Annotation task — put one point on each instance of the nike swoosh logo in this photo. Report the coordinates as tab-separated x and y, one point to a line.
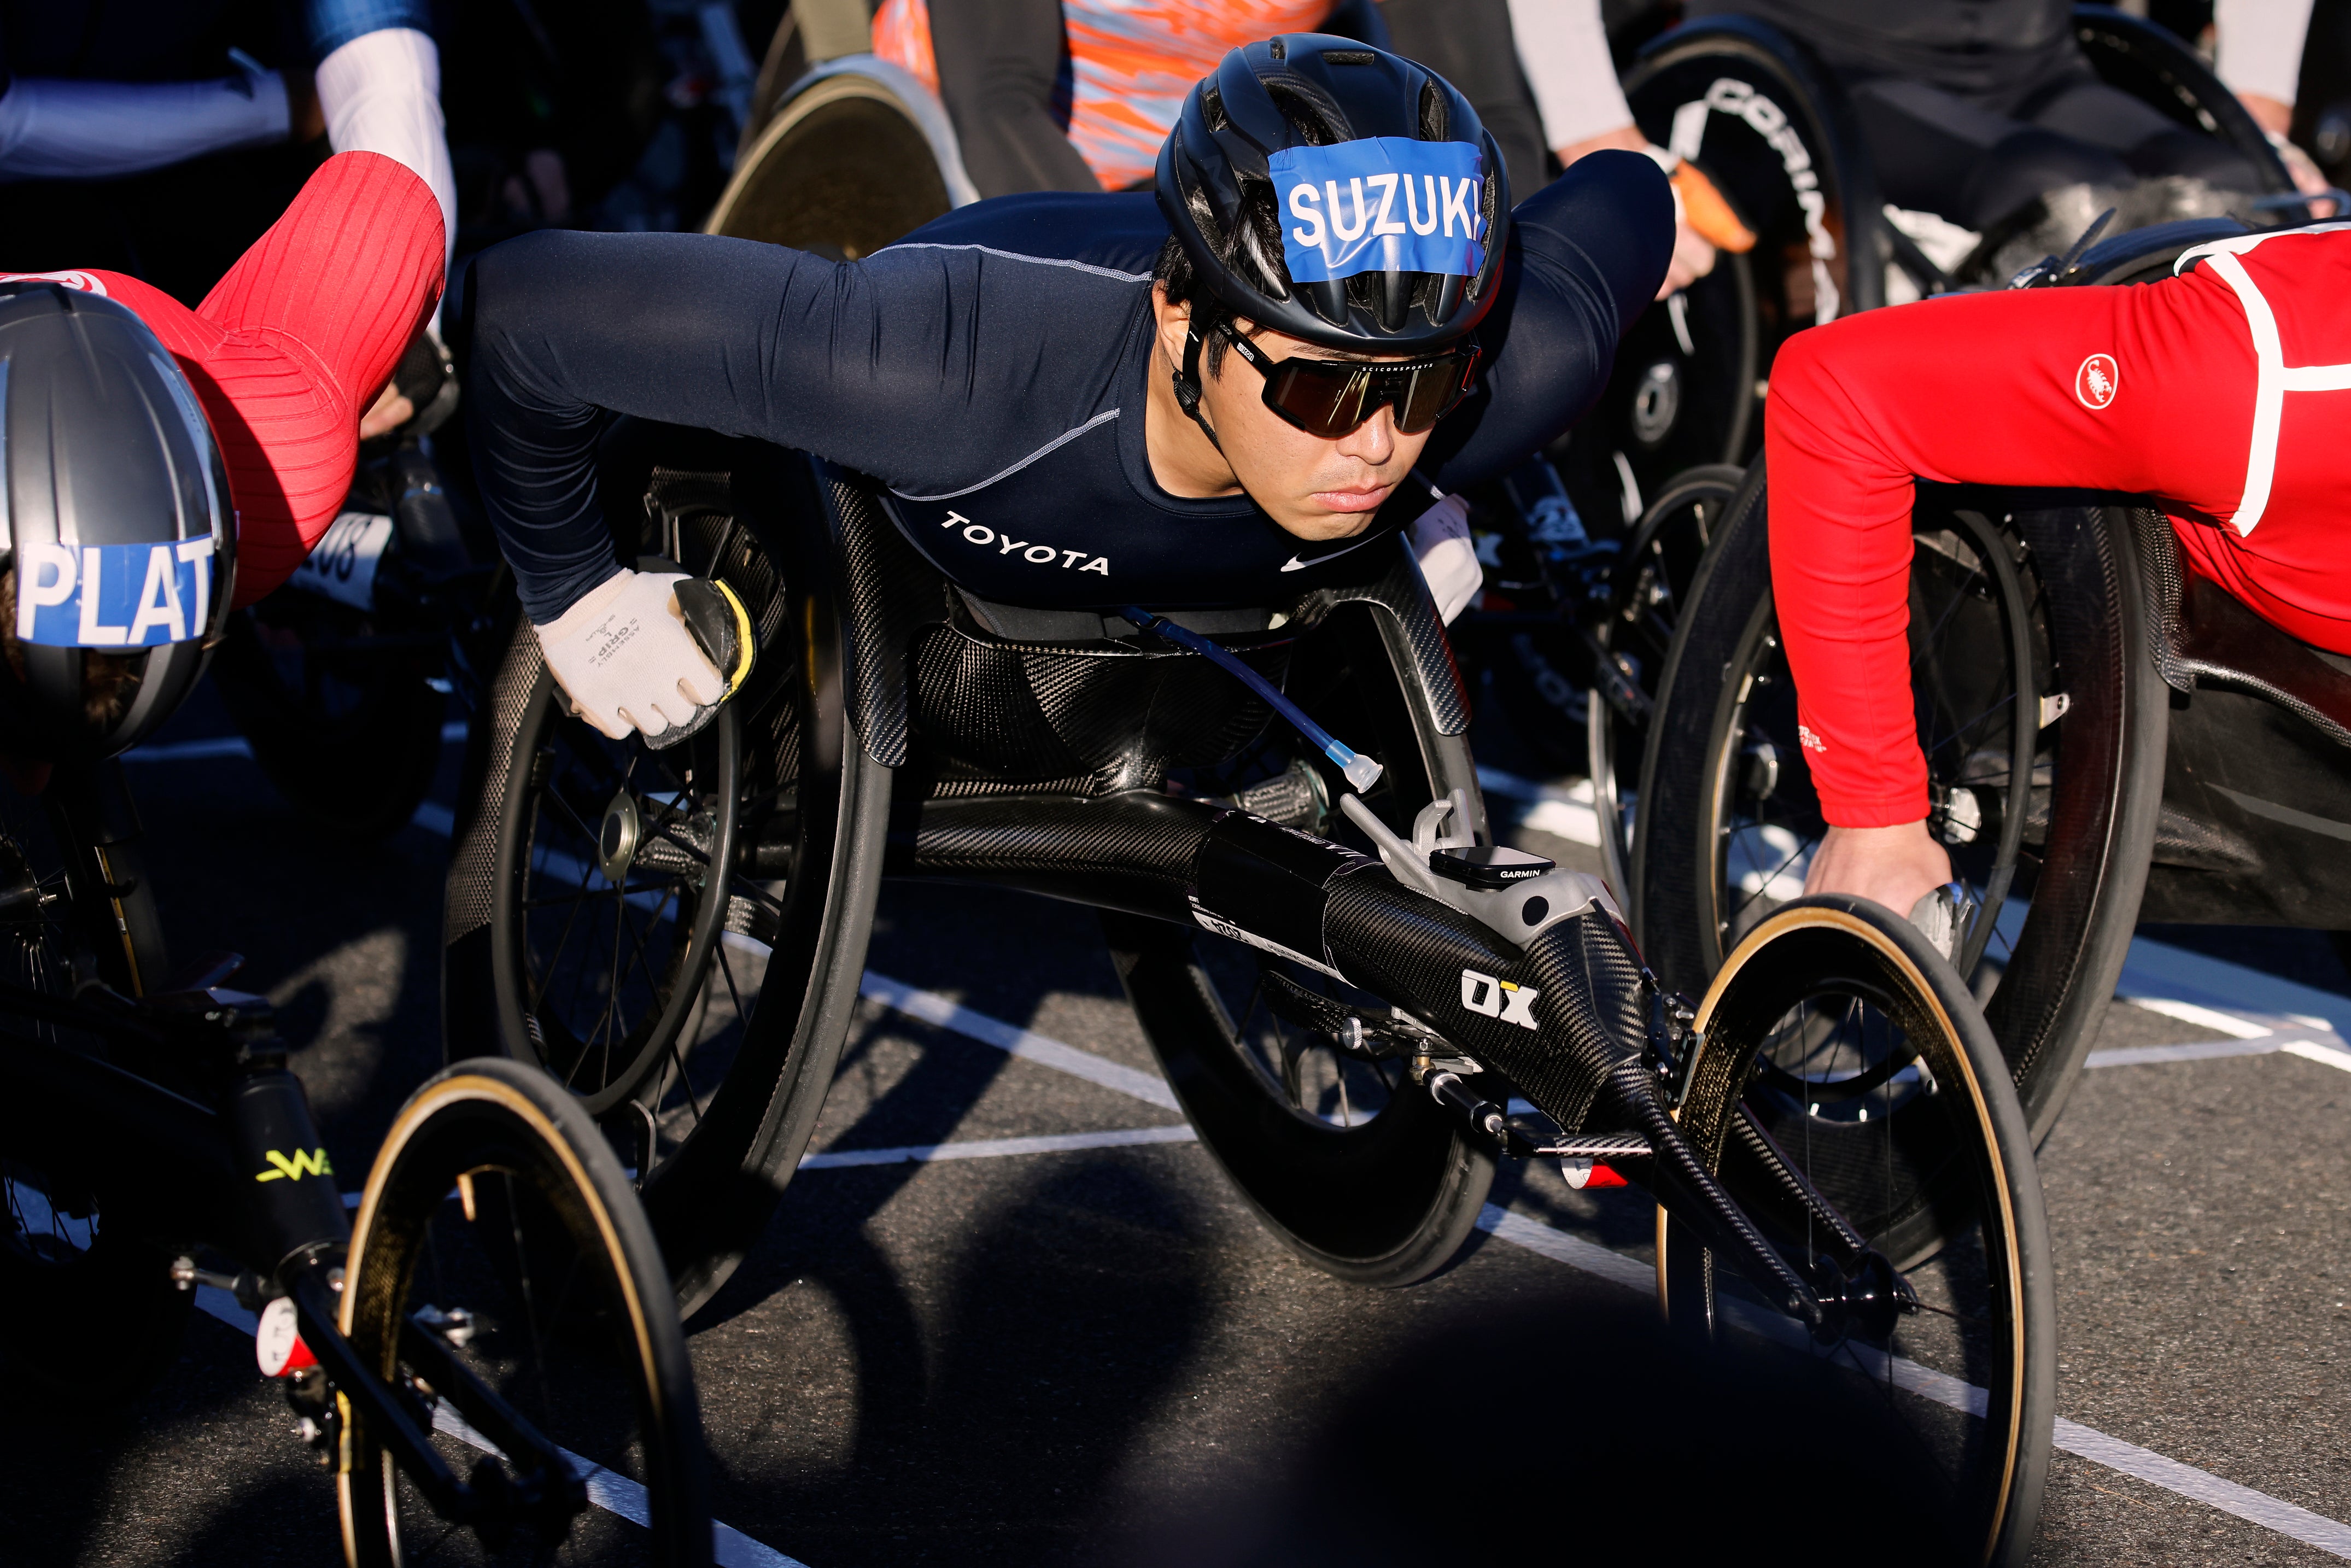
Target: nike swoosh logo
1294	564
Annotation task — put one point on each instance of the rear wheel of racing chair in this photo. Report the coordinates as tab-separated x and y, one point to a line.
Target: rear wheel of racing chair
497	1230
584	932
859	153
1653	576
1753	112
2027	641
1362	1174
1838	1005
73	1251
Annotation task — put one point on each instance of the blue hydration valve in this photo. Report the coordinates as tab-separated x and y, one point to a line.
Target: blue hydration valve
1360	769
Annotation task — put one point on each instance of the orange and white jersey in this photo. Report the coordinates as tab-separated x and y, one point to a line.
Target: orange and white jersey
1131	63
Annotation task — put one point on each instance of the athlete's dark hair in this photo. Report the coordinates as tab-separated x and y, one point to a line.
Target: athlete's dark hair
1255	246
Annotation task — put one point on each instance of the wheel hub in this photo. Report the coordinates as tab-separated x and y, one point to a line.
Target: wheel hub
1655	402
617	839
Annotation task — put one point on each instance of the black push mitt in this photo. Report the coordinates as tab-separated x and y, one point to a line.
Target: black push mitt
721	627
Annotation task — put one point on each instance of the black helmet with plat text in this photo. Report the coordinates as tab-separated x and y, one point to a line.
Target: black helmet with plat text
116	517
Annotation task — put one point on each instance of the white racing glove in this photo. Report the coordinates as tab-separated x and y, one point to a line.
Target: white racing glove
625	658
1440	538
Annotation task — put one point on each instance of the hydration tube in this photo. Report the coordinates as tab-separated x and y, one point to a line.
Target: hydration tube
1361	770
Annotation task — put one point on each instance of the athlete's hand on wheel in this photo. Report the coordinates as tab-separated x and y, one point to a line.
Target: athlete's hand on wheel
623	656
1896	866
1440	538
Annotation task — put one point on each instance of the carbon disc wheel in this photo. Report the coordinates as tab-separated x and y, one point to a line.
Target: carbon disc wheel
1344	1159
1836	1038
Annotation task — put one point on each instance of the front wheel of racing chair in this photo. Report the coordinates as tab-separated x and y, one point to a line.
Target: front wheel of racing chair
583	933
2026	642
1836	998
1341	1155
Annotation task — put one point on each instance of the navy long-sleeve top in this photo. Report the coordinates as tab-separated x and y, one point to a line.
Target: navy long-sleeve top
989	371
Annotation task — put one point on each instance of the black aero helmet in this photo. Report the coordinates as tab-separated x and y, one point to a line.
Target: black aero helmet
115	515
1303	146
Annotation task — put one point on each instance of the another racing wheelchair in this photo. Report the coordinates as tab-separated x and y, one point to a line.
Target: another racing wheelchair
2060	649
489	1344
1347	982
1772	129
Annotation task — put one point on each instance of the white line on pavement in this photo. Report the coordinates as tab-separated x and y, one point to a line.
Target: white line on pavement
1563	810
934	1009
2204	1017
2154	971
2324	1055
612	1493
1589	1257
2140	1055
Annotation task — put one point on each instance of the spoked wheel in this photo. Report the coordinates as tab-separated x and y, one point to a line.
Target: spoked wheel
73	1249
496	1222
609	959
1832	1026
678	934
1653	576
2027	642
1979	662
1363	1175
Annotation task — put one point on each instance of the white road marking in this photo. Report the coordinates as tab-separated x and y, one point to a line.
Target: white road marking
1589	1257
612	1493
2199	1050
2154	972
934	1009
2324	1055
2205	1018
997	1148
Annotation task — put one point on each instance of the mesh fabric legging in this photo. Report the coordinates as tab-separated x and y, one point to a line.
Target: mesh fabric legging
1967	160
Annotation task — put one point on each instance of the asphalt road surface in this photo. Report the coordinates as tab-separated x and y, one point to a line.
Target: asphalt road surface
1032	1323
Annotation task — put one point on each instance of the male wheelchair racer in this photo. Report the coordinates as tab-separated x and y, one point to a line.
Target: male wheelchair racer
2184	754
1344	977
488	1343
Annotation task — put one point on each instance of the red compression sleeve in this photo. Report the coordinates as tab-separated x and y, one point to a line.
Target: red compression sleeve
290	348
2147	389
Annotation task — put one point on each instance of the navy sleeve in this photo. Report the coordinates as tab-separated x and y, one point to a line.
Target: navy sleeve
1586	255
923	365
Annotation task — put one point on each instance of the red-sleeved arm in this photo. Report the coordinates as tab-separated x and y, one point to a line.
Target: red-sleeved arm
2147	389
291	347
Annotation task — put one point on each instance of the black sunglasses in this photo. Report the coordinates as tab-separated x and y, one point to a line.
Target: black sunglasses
1330	397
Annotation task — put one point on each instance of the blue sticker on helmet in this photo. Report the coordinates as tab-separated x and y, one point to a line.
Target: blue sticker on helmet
114	596
1379	202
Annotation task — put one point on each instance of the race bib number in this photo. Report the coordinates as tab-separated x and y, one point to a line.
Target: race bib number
342	566
114	596
1379	202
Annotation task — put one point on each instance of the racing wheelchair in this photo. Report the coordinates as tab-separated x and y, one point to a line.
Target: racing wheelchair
482	1339
1682	415
1347	983
2109	736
